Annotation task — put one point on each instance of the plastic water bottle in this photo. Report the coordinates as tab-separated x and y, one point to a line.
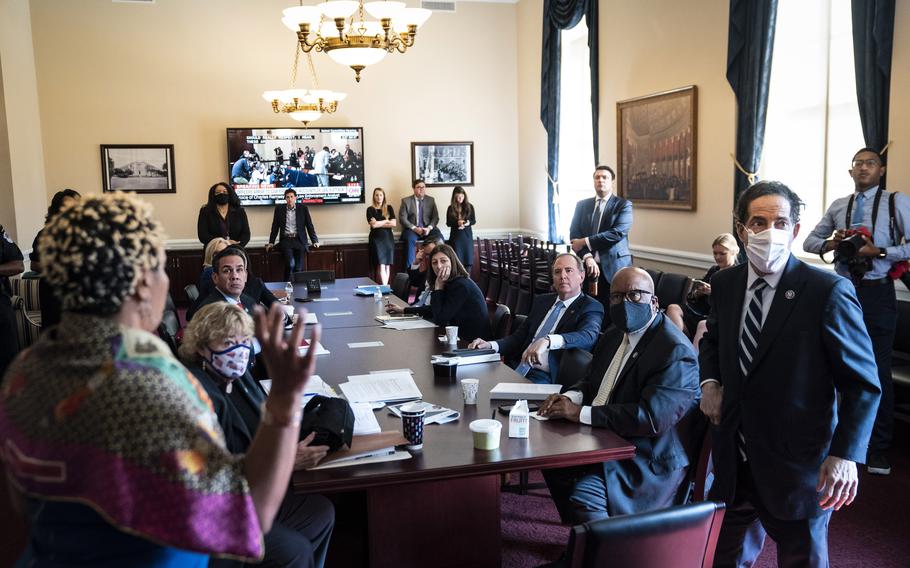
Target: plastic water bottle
377	303
289	290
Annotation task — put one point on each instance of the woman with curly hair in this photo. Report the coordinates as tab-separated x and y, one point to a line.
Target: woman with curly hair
111	446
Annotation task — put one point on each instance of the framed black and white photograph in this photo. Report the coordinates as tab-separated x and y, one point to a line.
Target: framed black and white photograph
442	164
142	168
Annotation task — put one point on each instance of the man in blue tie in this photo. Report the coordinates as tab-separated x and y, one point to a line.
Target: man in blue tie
642	381
569	318
790	385
886	217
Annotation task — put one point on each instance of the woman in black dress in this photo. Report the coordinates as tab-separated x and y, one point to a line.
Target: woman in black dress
460	218
381	218
222	216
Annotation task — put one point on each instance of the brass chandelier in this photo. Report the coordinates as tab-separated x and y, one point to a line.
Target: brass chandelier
340	28
302	104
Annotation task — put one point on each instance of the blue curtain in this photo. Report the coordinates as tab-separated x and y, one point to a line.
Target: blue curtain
749	45
563	15
873	37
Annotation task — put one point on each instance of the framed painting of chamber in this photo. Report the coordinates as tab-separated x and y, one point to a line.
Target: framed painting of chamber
656	142
443	164
140	168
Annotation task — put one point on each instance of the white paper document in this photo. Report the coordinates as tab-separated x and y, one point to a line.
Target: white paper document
395	455
381	387
526	391
313	387
325	299
365	419
320	348
409	324
466	360
310	316
408	371
336	314
362	344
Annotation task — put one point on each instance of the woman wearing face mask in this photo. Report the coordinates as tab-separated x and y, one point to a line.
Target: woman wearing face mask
725	251
222	216
216	348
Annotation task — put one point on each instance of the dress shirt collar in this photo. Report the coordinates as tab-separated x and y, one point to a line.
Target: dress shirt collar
771	279
567	302
867	192
229	299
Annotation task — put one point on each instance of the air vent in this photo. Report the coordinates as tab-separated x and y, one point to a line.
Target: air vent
438	5
133	1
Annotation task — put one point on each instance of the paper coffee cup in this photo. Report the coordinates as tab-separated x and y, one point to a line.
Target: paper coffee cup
412	416
452	333
486	433
469	390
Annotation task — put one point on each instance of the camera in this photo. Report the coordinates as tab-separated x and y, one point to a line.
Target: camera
847	252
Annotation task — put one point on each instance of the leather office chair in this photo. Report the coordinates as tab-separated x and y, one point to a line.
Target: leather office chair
672	289
573	366
401	286
695	437
192	293
679	536
517	321
655	275
500	319
307	275
169	328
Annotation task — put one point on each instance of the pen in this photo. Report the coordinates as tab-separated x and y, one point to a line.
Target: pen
494	415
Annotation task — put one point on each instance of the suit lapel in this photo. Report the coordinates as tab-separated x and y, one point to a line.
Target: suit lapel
569	316
733	315
785	298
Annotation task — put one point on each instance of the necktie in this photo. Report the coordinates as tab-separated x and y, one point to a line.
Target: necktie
419	213
857	217
544	331
606	385
595	218
748	339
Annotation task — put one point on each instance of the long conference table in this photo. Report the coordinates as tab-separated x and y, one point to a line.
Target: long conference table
439	508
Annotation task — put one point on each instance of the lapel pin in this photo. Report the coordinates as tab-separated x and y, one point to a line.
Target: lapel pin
634	355
789	294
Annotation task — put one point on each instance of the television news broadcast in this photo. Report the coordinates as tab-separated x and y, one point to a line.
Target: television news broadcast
324	165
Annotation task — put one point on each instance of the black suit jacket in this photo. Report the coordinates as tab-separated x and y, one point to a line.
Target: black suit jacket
611	238
208	226
655	389
304	225
812	347
215	296
461	303
579	327
238	411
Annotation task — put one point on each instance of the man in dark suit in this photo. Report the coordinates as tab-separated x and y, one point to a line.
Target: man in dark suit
790	383
292	221
419	218
600	232
569	318
642	382
229	275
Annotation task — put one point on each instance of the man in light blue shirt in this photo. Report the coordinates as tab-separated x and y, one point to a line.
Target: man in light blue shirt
870	207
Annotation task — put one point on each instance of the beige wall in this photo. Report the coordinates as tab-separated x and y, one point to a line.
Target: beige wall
181	71
649	46
22	199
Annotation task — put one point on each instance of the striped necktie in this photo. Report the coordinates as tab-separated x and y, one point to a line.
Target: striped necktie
609	380
544	331
748	339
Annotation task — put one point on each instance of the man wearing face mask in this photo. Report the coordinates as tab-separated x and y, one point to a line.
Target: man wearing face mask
642	381
784	342
886	217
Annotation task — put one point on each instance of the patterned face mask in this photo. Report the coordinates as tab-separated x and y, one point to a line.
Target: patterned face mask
233	361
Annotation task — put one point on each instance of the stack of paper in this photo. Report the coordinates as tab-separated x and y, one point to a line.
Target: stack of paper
320	348
419	323
365	419
435	414
465	360
380	387
313	387
368	449
310	316
526	391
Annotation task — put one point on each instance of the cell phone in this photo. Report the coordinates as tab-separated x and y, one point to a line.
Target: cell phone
700	282
505	409
313	286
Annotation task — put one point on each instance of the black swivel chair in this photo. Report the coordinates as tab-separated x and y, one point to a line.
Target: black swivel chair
401	286
679	536
500	319
672	289
169	327
192	293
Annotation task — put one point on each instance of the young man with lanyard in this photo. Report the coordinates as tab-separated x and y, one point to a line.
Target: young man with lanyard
885	216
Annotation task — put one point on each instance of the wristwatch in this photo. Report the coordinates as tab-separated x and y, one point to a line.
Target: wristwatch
882	253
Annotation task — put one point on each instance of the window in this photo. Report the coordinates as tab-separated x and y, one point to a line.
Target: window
576	138
813	126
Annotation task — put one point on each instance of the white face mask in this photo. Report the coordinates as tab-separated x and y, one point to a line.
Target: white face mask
233	361
769	250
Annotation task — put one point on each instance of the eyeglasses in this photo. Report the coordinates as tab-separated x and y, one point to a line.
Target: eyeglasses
871	163
634	296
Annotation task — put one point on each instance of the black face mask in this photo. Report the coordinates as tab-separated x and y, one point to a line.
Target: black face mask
630	316
221	198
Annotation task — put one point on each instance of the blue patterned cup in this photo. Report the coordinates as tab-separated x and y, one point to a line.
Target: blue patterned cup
412	416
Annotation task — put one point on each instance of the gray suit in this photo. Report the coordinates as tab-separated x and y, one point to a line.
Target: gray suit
407	216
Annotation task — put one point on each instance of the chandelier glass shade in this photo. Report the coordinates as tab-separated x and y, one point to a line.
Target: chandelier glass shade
304	105
340	28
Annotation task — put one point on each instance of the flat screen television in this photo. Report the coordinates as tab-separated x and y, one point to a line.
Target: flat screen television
324	165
